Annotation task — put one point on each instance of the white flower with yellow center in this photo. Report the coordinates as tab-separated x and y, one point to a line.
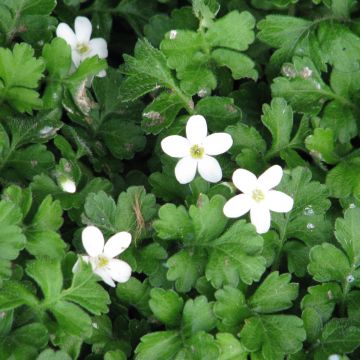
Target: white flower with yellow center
101	256
258	197
196	151
82	47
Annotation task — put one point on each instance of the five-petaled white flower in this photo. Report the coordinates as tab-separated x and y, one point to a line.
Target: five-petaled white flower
101	256
81	45
195	151
258	197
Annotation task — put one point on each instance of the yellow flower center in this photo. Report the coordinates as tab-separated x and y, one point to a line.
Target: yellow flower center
258	195
82	48
102	261
197	151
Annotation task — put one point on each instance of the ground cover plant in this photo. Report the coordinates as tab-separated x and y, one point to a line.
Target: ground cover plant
180	180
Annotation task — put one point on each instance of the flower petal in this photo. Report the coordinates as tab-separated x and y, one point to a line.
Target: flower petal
78	262
65	32
196	129
101	74
176	146
260	218
98	46
270	178
105	276
83	29
278	201
93	241
209	169
237	206
217	143
76	58
244	180
117	244
119	270
68	186
185	170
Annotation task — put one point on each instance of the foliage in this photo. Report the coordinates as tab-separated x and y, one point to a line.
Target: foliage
282	77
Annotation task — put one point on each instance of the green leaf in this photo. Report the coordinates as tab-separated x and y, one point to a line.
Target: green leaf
231	308
183	48
174	223
218	111
342	9
343	179
122	138
233	31
236	255
72	319
347	232
200	346
47	274
135	293
208	218
132	212
115	355
241	66
85	291
198	316
306	94
285	33
340	336
14	294
12	240
50	354
274	335
25	342
31	161
161	113
197	79
341	119
328	263
322	298
230	347
57	57
42	236
166	306
194	263
274	294
245	137
145	72
20	73
306	220
88	68
162	345
35	7
278	118
205	11
321	145
20	197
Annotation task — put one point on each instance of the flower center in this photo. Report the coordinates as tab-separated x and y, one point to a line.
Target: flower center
102	261
197	151
82	48
258	195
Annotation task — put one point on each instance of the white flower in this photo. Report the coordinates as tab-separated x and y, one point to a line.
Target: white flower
258	197
195	151
101	256
68	185
81	45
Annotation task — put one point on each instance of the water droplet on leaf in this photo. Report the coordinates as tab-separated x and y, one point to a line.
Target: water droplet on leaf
310	226
309	211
